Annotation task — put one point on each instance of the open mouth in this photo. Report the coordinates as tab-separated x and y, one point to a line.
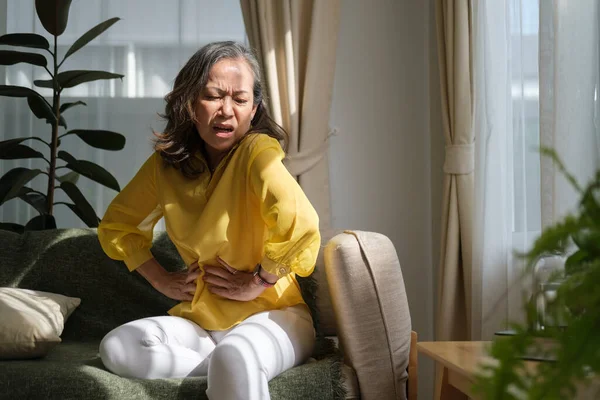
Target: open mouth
223	130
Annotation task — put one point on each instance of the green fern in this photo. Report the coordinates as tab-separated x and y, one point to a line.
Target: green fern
576	348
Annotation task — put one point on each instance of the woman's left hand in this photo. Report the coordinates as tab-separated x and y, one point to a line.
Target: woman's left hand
230	283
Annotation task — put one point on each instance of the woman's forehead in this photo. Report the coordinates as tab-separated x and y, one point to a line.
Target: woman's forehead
228	72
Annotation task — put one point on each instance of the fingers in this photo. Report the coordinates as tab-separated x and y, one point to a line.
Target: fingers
193	267
186	292
192	276
217	281
189	288
186	297
228	267
220	292
217	271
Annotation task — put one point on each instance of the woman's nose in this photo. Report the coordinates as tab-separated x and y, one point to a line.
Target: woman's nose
226	107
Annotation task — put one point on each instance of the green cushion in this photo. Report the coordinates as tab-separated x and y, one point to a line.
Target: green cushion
71	262
73	370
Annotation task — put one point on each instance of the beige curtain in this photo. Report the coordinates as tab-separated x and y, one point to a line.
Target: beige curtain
455	275
296	43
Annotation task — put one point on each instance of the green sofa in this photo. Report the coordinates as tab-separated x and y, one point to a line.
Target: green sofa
71	262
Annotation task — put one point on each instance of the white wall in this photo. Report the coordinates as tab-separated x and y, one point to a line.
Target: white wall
381	160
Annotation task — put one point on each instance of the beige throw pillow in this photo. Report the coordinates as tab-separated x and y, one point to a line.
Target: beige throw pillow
31	321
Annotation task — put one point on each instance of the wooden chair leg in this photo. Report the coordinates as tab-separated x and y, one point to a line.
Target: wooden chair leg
413	364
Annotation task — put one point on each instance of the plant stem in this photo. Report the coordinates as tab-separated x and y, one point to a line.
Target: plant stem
54	142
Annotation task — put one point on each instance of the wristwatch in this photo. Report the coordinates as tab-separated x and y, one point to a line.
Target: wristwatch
260	280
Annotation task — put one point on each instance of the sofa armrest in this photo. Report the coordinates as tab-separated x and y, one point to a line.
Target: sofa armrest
373	321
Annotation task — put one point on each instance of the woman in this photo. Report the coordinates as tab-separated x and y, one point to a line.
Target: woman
238	219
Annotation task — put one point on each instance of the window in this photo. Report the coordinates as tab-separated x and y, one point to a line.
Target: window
151	42
524	21
148	45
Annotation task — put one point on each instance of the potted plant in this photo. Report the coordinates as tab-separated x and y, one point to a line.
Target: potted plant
53	15
572	350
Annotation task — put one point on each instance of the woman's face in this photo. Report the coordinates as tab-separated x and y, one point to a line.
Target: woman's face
225	107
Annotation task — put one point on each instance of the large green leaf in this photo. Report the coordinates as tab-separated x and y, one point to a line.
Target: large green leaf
96	173
44	83
12	182
7	144
35	199
73	78
16	91
72	177
40	223
63	155
31	40
9	226
11	57
90	35
41	109
100	139
38	105
53	14
81	206
90	170
18	152
65	106
83	217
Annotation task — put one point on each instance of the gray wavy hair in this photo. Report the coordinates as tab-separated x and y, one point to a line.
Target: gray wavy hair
180	139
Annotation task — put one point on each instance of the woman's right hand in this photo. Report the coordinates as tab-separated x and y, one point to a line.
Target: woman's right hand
175	285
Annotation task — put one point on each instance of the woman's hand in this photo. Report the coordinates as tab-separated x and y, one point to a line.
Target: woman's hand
175	285
230	283
178	285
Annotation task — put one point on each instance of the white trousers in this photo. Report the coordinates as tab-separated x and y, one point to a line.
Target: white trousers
239	362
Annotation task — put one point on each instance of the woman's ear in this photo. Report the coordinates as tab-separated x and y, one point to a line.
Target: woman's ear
255	111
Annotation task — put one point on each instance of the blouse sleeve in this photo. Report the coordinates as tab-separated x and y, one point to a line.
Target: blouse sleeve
293	238
126	231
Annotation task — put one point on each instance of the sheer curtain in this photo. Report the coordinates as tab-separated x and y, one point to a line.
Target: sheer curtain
149	45
537	74
570	110
507	163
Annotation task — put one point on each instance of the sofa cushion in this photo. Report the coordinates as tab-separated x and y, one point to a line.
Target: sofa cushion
110	294
32	321
326	324
370	302
74	370
71	262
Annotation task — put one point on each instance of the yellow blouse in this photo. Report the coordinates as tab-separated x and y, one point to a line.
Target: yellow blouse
249	211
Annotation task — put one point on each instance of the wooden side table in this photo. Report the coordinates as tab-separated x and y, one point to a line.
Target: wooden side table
460	362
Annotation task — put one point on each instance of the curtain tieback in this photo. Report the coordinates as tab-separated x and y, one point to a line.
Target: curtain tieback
303	161
460	159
